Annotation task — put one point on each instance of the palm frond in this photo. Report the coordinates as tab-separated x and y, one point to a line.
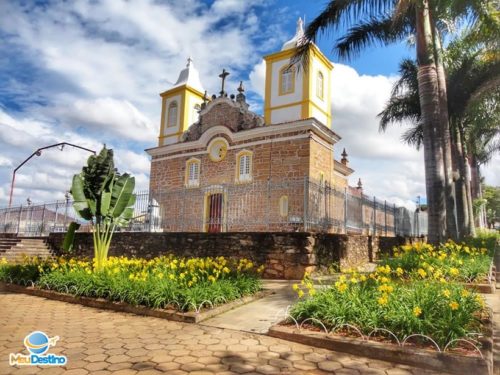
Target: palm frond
400	109
414	136
376	30
408	78
338	14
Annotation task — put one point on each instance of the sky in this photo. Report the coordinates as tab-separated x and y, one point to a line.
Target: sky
89	72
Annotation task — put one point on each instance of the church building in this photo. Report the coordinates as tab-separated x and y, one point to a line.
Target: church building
220	167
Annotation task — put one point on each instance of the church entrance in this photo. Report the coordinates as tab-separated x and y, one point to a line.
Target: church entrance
214	214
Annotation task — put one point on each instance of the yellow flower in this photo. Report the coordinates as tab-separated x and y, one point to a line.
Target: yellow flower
454	271
295	287
465	293
399	271
446	293
422	273
300	293
226	270
383	300
386	288
480	300
363	278
454	305
341	287
417	311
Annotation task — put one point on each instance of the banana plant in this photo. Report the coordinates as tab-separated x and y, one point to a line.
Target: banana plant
104	198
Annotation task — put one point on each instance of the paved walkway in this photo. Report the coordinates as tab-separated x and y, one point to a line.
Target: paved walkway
260	315
100	342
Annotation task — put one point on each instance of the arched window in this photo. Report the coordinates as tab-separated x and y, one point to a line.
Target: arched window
196	113
193	173
320	85
244	165
172	115
283	206
287	80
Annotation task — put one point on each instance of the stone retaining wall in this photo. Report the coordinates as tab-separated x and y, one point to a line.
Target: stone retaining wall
285	255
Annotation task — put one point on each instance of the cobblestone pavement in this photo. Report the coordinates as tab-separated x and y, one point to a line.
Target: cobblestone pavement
102	342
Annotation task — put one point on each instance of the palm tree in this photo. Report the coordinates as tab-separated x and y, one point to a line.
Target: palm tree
474	114
388	21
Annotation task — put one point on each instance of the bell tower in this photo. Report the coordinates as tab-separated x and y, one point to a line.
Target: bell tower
293	93
180	105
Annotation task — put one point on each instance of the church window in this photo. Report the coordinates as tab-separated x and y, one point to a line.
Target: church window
287	80
320	85
196	113
284	206
193	173
321	179
244	166
172	115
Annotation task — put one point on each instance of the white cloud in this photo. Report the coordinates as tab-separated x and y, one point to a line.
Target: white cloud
258	78
491	171
389	169
4	162
108	115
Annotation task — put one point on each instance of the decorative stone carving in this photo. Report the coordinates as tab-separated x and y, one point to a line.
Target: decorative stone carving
223	111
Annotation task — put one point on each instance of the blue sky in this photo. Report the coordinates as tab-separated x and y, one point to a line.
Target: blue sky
89	72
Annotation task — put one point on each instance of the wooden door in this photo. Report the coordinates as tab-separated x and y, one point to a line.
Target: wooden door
215	206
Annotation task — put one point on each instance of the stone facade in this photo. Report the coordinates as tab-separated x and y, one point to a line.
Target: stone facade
280	154
285	255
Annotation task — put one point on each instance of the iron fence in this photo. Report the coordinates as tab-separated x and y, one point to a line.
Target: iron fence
259	206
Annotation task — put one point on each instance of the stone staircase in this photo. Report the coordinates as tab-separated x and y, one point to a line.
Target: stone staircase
15	248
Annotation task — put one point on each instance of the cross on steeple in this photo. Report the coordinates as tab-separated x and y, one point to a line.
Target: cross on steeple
223	76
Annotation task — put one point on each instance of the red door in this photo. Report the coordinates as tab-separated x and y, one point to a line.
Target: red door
215	213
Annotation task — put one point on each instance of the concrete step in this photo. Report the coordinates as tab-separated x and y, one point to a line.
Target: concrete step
14	250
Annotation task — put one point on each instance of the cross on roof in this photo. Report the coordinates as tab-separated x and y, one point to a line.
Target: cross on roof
223	76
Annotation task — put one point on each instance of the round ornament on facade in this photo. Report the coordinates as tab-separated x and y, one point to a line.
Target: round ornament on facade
217	150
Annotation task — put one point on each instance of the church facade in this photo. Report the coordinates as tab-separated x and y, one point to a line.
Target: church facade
220	167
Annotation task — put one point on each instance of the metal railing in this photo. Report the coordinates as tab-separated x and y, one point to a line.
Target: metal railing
286	206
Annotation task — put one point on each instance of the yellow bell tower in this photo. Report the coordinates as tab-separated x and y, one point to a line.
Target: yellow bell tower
293	93
180	105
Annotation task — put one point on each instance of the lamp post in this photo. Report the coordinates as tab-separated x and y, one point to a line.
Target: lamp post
417	219
39	153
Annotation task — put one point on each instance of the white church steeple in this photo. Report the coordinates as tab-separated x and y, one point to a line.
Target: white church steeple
189	76
180	105
294	93
299	34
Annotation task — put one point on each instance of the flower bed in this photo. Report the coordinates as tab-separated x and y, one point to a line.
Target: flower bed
449	262
165	282
417	295
442	311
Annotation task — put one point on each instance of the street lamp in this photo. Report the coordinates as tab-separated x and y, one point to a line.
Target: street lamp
39	153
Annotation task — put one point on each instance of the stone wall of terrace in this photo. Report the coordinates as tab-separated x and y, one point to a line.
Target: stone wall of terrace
285	255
